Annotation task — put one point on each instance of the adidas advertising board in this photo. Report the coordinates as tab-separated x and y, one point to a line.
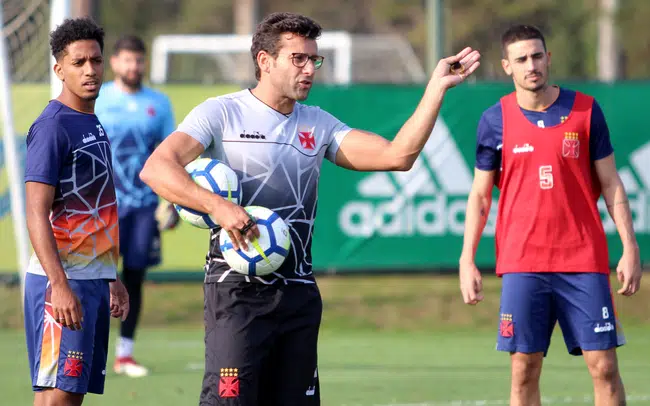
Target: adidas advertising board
428	200
415	219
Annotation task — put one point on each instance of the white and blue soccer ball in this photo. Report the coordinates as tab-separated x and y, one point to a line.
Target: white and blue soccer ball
218	178
266	253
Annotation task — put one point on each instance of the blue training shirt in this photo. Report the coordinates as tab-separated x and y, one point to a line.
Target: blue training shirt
135	124
490	129
69	150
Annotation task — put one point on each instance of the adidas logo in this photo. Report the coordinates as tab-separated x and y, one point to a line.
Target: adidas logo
637	185
430	199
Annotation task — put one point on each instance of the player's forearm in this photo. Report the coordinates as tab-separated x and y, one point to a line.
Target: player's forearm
476	215
169	180
618	207
44	244
415	132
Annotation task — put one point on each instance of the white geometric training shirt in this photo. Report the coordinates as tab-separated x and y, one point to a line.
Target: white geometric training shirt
278	159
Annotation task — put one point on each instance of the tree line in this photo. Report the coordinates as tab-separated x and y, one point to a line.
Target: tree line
571	26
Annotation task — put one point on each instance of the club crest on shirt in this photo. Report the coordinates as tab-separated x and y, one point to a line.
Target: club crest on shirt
571	145
306	137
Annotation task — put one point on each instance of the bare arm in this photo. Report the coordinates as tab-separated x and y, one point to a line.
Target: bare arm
618	206
365	151
165	173
39	198
66	307
478	209
616	199
477	212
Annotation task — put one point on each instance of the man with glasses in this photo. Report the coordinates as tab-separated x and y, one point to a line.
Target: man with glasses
261	332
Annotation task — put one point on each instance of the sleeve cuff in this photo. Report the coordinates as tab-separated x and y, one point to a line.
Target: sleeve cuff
41	179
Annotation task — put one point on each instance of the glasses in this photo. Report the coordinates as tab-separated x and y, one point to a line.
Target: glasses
300	59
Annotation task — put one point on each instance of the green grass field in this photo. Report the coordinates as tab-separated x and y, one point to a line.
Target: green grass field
356	368
385	340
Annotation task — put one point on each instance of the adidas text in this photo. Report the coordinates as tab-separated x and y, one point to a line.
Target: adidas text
439	215
428	200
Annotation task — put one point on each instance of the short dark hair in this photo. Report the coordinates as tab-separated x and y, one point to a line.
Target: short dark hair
267	34
73	30
518	33
129	43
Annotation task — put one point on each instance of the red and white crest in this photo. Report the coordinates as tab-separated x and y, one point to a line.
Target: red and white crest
506	326
229	383
307	139
73	364
571	145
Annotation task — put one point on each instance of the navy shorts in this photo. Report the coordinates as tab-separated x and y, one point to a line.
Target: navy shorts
72	361
140	239
532	303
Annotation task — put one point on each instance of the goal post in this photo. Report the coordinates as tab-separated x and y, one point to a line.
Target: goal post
59	11
355	58
164	45
11	158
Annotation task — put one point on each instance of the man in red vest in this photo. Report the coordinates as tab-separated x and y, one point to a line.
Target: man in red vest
548	151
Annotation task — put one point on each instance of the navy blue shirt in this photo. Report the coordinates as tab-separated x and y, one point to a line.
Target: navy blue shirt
490	129
70	151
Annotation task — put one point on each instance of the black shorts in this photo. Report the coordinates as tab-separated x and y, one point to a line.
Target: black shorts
261	344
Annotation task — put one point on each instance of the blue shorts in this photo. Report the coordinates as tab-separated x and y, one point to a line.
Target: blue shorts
531	304
72	361
139	239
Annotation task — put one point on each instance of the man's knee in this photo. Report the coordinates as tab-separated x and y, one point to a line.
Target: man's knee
603	365
526	368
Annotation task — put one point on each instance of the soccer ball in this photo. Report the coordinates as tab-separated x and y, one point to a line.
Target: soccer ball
218	178
266	253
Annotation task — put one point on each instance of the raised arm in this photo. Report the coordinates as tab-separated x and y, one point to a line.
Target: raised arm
365	151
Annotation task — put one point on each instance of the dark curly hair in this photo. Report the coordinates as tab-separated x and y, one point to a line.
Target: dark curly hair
73	30
267	34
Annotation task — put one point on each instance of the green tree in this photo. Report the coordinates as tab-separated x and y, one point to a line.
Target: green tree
634	38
